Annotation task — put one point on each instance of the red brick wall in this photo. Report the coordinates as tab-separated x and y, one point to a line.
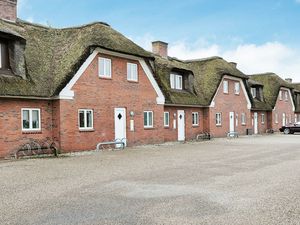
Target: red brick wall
103	96
8	9
283	106
171	134
262	127
226	103
12	136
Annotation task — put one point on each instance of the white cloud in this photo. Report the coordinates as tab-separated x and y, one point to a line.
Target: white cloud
268	57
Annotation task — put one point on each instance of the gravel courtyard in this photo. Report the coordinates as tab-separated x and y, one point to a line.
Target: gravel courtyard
249	180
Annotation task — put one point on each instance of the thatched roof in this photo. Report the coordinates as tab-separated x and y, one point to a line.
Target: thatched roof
54	55
208	74
272	84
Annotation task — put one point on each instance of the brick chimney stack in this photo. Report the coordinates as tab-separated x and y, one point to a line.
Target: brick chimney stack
160	48
8	10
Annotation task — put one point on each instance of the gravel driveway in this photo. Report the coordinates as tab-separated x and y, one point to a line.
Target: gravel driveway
249	180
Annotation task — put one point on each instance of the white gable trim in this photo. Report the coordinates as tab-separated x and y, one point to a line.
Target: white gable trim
290	94
249	105
67	92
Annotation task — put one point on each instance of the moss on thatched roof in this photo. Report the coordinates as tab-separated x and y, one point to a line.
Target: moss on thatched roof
256	103
54	55
208	74
272	84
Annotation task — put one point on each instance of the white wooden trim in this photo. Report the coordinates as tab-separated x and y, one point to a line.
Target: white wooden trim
249	105
67	92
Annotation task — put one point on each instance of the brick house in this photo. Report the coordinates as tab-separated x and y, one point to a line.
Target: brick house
260	111
75	87
279	94
213	88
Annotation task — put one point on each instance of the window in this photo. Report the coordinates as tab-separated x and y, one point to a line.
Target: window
286	95
104	67
132	72
276	117
176	81
280	95
195	118
295	118
263	118
31	119
148	119
85	119
243	119
253	92
237	88
166	119
218	119
290	118
225	86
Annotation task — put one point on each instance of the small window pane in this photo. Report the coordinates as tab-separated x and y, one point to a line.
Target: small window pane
225	86
89	122
26	119
101	65
35	119
150	119
81	119
145	119
166	119
108	68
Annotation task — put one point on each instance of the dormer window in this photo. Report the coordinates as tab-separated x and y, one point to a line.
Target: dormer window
4	62
176	81
286	95
280	95
253	92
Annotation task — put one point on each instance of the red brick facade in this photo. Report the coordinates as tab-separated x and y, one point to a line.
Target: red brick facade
225	103
283	113
12	137
263	121
8	9
191	131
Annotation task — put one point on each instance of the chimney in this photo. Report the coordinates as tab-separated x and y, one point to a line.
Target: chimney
289	80
8	10
160	48
234	64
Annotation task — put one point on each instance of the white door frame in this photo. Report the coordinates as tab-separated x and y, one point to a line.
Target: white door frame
231	122
120	124
283	119
181	125
255	124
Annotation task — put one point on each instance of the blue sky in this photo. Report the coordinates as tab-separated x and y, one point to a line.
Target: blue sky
261	35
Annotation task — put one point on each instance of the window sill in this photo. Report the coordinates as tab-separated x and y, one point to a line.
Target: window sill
31	131
166	127
148	128
237	94
86	130
225	93
243	124
195	125
218	125
133	81
104	78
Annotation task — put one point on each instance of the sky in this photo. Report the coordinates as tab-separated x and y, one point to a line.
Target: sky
259	35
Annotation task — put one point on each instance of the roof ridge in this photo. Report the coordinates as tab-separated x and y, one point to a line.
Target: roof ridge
203	59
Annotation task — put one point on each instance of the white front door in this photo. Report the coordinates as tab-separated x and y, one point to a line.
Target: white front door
231	122
181	125
255	123
120	124
283	119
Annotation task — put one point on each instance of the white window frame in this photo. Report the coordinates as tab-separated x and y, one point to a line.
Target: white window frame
237	88
243	119
132	72
107	70
195	117
168	121
253	92
148	125
276	117
176	81
262	118
290	118
225	86
85	127
30	119
280	95
286	96
218	119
